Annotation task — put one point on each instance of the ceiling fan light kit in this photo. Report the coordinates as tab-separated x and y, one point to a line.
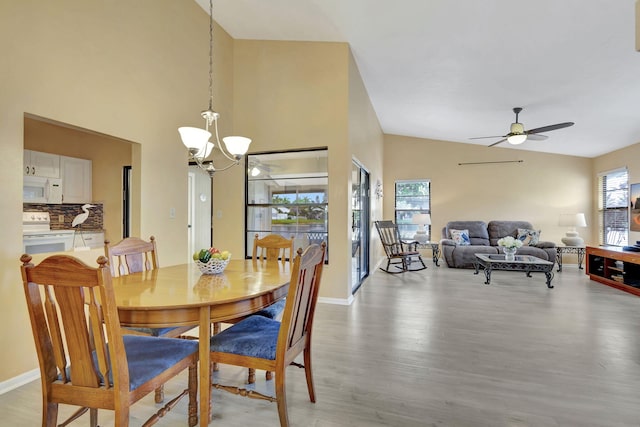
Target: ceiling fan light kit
517	134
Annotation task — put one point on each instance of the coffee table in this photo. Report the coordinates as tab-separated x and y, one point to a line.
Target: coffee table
527	263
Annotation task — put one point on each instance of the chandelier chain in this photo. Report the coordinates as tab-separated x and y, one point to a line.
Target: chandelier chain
210	55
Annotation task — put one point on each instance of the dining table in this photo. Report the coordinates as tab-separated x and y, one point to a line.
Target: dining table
181	295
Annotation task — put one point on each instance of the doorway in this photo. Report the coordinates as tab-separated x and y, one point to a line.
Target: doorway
360	213
199	224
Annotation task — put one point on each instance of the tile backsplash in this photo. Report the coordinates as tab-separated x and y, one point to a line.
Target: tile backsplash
69	212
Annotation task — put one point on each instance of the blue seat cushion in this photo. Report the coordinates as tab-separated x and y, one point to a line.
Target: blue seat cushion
148	357
273	311
154	332
255	336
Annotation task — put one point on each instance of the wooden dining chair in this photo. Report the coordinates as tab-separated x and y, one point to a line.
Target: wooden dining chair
84	358
272	247
262	343
133	255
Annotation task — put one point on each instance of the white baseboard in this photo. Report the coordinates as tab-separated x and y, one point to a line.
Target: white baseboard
20	380
337	301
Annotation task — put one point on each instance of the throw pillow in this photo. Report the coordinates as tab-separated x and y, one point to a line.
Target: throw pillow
460	237
529	237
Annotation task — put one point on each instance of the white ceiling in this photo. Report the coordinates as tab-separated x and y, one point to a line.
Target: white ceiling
454	69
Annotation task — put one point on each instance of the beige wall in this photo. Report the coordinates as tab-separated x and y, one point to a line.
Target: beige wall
290	95
133	70
537	190
626	157
108	156
367	147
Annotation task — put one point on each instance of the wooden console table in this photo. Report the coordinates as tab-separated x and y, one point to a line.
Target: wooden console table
614	267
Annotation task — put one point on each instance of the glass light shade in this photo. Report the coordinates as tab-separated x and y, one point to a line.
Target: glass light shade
255	171
204	151
236	145
194	138
516	139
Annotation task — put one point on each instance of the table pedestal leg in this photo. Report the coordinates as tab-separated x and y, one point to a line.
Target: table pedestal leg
205	367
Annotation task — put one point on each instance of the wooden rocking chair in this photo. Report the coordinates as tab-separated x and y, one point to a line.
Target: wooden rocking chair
401	255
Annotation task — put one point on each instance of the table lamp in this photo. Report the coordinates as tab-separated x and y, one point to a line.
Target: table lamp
421	219
572	221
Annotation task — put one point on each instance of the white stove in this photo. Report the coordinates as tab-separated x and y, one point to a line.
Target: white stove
38	237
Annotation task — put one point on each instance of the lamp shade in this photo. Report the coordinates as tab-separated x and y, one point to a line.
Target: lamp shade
236	145
573	220
194	138
421	219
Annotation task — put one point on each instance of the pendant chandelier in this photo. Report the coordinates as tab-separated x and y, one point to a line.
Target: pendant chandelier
197	140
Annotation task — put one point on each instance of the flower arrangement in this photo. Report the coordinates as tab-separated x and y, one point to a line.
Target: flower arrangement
510	242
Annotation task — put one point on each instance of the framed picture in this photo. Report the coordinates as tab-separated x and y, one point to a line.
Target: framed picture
634	216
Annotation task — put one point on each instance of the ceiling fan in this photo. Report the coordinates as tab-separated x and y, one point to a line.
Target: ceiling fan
517	134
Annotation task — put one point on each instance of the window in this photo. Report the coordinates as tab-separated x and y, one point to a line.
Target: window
613	207
287	194
412	197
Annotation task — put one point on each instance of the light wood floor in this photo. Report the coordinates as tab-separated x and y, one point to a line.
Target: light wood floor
440	348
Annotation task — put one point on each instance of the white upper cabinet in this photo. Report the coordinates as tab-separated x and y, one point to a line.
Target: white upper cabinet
41	164
76	180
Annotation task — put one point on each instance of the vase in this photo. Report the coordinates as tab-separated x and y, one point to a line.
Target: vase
509	253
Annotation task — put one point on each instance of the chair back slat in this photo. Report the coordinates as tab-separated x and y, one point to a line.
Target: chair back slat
390	237
51	311
71	302
273	247
76	323
297	319
131	255
99	343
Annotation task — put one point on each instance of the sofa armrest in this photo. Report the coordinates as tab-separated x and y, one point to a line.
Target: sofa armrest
542	245
447	242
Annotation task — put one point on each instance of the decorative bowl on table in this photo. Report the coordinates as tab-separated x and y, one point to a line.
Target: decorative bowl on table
213	266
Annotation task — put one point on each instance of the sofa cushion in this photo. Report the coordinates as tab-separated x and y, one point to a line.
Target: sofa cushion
477	231
500	229
529	237
460	237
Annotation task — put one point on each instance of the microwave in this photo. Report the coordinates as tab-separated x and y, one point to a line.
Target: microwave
37	189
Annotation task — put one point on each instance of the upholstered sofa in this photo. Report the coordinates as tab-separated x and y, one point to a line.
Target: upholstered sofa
483	238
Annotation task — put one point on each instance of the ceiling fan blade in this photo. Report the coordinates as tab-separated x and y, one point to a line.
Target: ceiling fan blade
499	142
536	137
549	128
486	137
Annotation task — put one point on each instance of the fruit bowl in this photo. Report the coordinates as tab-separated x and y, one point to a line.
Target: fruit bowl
213	266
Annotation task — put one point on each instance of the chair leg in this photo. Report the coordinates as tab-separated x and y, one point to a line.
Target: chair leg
281	399
121	417
159	394
309	374
93	417
268	375
251	378
49	414
193	395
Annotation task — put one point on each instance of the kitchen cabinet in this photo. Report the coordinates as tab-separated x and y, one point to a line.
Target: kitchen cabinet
41	164
76	180
90	238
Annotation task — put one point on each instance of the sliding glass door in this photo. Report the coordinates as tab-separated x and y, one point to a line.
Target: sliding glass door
359	225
